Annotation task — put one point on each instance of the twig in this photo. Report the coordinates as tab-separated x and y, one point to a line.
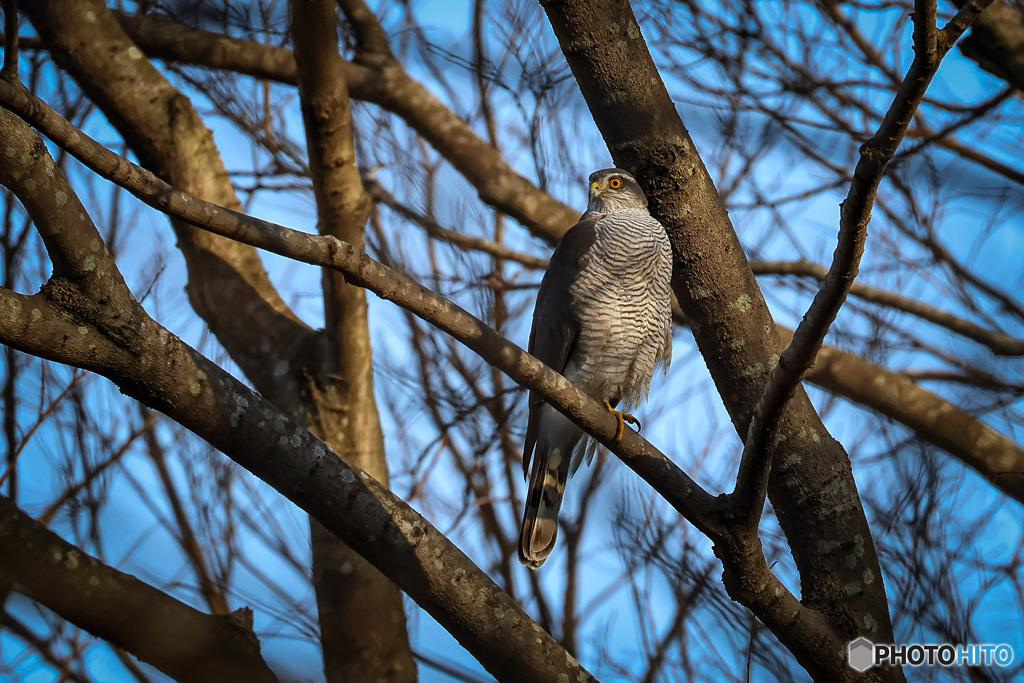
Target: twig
183	642
930	45
371	42
72	490
216	601
388	86
461	240
39	421
41	645
154	366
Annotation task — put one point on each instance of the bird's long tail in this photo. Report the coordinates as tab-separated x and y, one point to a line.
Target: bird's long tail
557	437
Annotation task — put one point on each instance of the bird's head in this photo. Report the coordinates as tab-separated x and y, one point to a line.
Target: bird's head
612	189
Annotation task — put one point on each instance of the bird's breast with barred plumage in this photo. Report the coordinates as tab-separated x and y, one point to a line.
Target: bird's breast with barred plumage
621	297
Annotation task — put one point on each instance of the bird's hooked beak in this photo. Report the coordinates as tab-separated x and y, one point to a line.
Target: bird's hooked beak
595	191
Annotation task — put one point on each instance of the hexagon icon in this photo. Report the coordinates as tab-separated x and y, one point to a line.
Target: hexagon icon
861	654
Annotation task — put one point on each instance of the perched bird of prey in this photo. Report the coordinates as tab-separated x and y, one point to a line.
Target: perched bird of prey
602	319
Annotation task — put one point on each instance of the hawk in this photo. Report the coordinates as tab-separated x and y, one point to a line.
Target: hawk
603	319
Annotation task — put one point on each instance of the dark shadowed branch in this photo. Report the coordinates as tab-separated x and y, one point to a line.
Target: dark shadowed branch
327	251
1000	344
172	636
385	84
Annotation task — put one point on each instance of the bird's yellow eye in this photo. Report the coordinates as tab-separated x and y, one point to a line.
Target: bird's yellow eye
615	183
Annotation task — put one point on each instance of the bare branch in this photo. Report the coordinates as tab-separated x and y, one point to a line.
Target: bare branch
362	633
674	485
389	87
216	601
755	462
21	631
681	491
932	418
175	638
157	368
171	41
72	490
960	22
459	239
784	98
228	285
996	42
733	330
13	457
371	42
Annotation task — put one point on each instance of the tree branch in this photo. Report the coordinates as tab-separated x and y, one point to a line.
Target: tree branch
191	46
932	418
748	496
371	42
362	626
735	333
996	42
674	485
681	491
228	286
116	338
463	241
167	375
172	636
389	87
215	599
10	68
167	40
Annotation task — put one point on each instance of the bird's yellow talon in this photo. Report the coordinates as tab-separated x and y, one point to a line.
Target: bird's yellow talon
623	418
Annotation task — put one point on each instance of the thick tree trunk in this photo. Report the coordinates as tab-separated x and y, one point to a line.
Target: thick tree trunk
362	620
812	487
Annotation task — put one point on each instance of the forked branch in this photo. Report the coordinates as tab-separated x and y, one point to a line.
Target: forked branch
930	46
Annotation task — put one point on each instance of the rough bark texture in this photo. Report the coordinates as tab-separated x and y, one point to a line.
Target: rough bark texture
812	488
731	366
757	585
327	251
803	625
930	46
362	620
